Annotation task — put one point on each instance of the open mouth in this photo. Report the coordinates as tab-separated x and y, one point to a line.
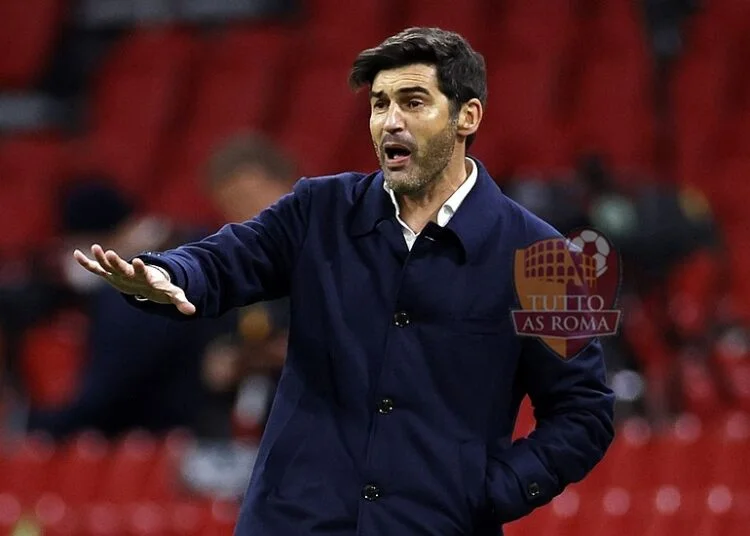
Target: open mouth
396	155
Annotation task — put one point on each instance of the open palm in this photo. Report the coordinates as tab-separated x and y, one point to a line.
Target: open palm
134	278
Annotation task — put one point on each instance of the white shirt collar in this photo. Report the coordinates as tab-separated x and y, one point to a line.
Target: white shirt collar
451	205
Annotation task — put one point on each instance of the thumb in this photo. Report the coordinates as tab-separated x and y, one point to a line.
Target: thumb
181	302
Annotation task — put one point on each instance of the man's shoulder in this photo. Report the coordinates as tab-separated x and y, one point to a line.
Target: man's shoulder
346	186
531	226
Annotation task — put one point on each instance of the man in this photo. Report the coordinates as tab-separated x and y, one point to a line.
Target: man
404	376
246	174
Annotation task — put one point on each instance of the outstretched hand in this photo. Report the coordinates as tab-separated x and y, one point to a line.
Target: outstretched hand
134	278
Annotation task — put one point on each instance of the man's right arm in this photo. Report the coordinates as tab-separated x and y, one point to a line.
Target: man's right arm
241	263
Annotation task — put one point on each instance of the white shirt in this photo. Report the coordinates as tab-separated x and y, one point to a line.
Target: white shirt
446	212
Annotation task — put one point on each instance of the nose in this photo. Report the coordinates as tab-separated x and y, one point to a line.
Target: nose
394	120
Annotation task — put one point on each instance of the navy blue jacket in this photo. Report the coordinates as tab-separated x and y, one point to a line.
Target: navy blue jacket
396	405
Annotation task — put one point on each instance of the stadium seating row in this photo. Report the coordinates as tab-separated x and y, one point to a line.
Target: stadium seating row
89	469
166	95
693	474
53	516
616	512
693	456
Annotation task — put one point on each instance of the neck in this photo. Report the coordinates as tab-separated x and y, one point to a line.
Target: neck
418	209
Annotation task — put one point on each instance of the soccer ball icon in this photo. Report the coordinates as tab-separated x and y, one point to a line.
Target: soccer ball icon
594	244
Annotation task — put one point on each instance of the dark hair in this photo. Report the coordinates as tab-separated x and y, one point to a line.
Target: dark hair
461	71
93	204
249	150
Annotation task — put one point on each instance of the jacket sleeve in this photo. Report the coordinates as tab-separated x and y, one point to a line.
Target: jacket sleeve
573	408
242	263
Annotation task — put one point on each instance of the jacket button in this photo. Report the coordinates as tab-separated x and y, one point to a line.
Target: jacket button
371	492
401	319
533	490
385	406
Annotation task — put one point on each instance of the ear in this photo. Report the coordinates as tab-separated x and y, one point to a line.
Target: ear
469	117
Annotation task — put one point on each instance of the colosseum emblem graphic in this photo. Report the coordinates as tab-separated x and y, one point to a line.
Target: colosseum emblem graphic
567	289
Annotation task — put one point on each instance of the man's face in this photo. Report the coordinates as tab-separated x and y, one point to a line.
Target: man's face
246	193
412	127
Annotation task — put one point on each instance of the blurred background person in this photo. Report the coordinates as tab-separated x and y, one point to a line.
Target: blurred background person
134	373
246	174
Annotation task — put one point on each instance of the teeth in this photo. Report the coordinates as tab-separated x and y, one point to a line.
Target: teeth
396	152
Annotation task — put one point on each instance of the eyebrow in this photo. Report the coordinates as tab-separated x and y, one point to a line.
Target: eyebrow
403	90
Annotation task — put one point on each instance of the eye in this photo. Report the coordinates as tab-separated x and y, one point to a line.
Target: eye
415	103
378	105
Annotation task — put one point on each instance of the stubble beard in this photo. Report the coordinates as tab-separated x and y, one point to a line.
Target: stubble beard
426	166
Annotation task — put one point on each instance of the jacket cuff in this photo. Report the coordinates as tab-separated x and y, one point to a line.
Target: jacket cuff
171	269
177	277
519	482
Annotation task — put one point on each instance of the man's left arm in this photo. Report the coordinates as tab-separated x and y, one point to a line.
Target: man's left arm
573	408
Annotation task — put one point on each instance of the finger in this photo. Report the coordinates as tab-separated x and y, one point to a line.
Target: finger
142	272
181	302
90	265
101	258
120	265
140	267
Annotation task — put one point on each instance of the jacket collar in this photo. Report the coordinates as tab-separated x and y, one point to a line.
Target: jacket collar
472	222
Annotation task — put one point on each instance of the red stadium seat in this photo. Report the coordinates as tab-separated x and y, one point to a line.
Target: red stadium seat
222	519
565	516
694	292
728	189
530	525
241	76
137	98
52	358
626	463
467	18
129	469
519	130
10	512
103	519
525	422
317	122
326	38
523	124
81	468
698	111
187	518
722	513
163	481
642	329
31	169
532	25
700	392
730	466
357	151
707	88
615	511
147	519
26	469
29	29
681	450
738	377
55	517
673	511
614	116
